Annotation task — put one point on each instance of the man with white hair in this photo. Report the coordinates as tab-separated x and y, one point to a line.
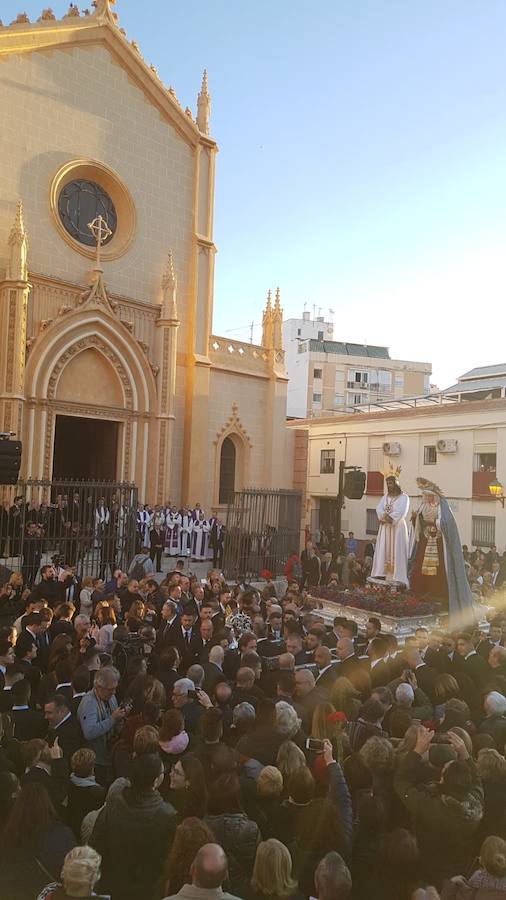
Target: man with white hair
494	723
213	669
184	698
98	715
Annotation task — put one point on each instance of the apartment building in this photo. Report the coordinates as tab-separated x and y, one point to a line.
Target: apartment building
460	445
328	376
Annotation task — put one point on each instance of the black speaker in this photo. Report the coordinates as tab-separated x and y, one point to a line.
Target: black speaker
10	461
354	485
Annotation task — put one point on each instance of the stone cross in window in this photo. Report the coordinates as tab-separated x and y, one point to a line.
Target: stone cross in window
100	231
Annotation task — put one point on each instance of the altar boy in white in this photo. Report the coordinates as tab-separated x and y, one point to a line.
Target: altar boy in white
392	545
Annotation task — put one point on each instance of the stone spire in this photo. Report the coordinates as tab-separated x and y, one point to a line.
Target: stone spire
267	323
169	288
277	322
203	106
17	269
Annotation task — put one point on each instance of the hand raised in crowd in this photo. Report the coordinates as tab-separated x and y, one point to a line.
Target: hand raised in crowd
328	753
56	751
424	737
458	745
411	679
204	699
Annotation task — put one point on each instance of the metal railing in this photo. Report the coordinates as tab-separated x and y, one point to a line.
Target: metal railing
88	524
262	529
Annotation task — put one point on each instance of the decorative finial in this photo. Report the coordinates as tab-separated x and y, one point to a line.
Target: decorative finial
188	112
269	296
153	69
135	46
277	303
103	8
203	106
46	15
21	19
17	267
73	12
169	287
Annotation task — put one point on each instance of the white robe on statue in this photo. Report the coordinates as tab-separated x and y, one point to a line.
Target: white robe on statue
392	544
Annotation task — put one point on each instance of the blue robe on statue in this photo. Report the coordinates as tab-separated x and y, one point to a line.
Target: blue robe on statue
461	604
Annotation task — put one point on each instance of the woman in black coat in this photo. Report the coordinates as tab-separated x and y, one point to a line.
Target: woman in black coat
238	835
33	845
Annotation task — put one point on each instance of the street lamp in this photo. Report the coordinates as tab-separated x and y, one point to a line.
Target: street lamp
496	489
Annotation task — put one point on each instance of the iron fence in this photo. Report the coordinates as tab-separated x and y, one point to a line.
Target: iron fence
262	529
88	524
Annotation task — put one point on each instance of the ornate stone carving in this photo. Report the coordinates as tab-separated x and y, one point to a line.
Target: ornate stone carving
161	459
233	425
96	295
46	15
63	310
128	325
18	248
73	12
21	19
155	369
128	451
48	445
91	341
43	324
11	340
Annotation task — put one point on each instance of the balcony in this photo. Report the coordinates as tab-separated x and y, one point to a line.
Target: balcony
481	481
375	484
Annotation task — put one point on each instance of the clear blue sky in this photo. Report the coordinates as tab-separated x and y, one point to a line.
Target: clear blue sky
362	162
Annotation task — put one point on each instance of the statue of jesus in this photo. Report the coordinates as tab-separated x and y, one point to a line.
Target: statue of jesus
392	545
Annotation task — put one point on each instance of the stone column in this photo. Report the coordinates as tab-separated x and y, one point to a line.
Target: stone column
14	290
167	328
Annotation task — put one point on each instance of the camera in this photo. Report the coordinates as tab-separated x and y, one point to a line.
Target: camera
315	744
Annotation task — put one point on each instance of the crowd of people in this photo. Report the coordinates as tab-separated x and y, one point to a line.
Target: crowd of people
186	739
93	530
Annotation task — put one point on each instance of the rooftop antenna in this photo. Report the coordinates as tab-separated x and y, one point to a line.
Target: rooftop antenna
314	310
319	310
251	332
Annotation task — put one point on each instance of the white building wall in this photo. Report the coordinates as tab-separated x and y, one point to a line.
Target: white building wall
453	472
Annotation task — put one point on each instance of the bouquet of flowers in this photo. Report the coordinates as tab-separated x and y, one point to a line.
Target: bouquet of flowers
382	600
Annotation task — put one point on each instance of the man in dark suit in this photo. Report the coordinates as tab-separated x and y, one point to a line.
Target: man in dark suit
425	675
377	652
157	543
295	645
217	542
310	563
475	666
26	723
348	660
328	569
13	673
62	725
169	618
213	669
186	638
26	653
327	670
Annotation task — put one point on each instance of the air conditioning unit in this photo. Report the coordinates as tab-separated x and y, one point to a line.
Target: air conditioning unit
392	448
447	446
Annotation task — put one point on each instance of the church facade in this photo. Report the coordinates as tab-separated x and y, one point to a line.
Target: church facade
108	365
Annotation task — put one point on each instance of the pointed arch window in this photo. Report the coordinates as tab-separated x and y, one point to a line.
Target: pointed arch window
227	470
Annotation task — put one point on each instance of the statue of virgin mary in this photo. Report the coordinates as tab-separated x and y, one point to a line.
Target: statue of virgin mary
436	567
